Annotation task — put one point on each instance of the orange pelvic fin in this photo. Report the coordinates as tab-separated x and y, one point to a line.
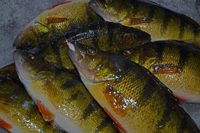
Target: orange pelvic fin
135	21
55	20
182	99
59	4
5	125
116	100
166	69
119	126
46	114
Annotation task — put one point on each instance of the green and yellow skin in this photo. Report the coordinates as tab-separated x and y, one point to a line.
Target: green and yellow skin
55	21
174	63
61	97
106	36
134	98
159	22
18	112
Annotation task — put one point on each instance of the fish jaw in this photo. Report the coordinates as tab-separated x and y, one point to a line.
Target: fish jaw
21	67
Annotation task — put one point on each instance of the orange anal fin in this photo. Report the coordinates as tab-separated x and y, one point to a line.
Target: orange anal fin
59	4
55	20
195	43
166	69
46	114
5	125
119	126
116	100
135	21
182	99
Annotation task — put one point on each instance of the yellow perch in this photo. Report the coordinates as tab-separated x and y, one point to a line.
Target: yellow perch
134	98
18	112
159	22
60	96
174	63
55	21
106	36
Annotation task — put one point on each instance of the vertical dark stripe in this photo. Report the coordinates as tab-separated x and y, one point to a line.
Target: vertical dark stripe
149	88
70	84
181	28
55	47
74	96
165	116
166	20
184	56
93	28
111	27
159	50
135	4
104	124
196	33
151	12
183	126
93	105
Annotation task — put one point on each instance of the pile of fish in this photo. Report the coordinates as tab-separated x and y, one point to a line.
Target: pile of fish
102	66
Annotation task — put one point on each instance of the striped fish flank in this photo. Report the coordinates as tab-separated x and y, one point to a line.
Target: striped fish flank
174	63
159	22
106	36
134	98
69	104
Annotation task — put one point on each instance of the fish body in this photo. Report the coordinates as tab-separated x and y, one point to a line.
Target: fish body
134	98
55	21
106	36
159	22
18	112
174	63
61	97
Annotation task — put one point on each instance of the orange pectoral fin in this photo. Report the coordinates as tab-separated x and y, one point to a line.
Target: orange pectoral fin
116	100
59	4
46	114
55	20
5	125
135	21
166	69
119	126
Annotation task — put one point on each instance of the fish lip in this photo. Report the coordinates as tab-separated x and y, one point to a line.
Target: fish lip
18	60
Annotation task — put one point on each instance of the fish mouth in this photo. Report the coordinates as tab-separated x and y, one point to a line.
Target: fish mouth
21	68
100	9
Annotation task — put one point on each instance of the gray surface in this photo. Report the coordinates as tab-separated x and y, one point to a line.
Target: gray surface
16	14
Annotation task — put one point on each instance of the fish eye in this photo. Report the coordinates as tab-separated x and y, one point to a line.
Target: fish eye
91	51
28	44
127	52
31	56
108	1
136	36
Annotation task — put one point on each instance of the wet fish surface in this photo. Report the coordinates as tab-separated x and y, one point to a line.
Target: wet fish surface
174	63
18	112
60	96
106	36
55	21
134	98
159	22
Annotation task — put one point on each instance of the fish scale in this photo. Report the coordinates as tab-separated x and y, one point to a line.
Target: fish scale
104	35
175	63
134	98
159	22
61	96
17	108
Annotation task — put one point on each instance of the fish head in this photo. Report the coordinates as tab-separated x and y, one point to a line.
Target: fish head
91	63
109	10
31	66
30	36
